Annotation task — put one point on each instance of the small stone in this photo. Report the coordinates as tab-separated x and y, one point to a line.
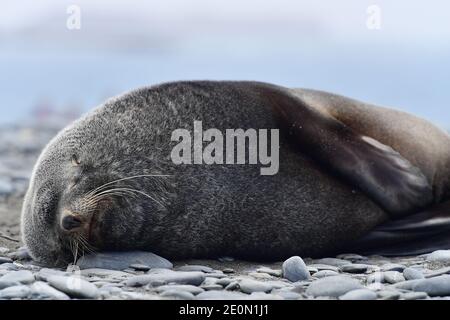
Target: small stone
438	286
204	269
3	250
45	273
263	296
249	286
376	277
359	294
232	286
393	267
104	274
9	267
354	268
210	287
7	284
334	286
412	274
188	288
352	257
393	277
441	256
325	273
406	285
224	281
388	295
175	294
333	262
221	295
320	267
22	276
228	270
122	260
165	277
140	267
5	260
272	272
42	290
74	287
16	292
288	295
21	254
435	273
294	269
414	296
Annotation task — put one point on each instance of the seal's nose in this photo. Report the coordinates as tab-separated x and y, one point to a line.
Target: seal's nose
70	222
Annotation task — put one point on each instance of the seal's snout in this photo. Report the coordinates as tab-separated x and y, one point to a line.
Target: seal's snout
71	222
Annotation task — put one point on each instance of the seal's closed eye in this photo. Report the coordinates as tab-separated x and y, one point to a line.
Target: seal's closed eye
75	160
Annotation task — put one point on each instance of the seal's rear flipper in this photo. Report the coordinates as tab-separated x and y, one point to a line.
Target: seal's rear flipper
382	173
420	233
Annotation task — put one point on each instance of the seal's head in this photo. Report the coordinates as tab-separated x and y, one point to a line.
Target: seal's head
91	190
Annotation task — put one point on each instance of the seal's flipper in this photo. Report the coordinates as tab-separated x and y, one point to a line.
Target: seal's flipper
382	173
420	233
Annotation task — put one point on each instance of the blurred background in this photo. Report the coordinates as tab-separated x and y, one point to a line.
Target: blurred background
50	73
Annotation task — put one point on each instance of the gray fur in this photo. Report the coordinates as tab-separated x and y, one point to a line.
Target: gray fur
208	210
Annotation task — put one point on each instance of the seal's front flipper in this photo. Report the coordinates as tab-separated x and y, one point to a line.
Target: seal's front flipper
382	173
420	233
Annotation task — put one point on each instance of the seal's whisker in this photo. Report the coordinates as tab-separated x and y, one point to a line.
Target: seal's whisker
136	191
128	178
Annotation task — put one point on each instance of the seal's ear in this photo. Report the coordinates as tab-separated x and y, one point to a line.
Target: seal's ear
382	173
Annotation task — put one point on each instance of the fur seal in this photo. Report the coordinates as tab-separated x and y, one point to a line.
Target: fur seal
346	168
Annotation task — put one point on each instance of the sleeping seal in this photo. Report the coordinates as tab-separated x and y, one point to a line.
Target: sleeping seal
348	174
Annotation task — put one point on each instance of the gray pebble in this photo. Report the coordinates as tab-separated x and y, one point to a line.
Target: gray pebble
9	266
272	272
5	260
21	254
42	290
288	295
221	295
414	296
376	277
413	274
176	294
16	292
354	268
435	273
352	257
204	269
406	285
393	267
166	277
388	295
393	277
438	286
224	281
6	284
320	267
359	294
122	260
140	267
209	287
325	273
3	251
22	276
188	288
294	269
249	286
441	256
333	262
232	286
334	286
263	296
75	287
45	273
228	270
104	274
